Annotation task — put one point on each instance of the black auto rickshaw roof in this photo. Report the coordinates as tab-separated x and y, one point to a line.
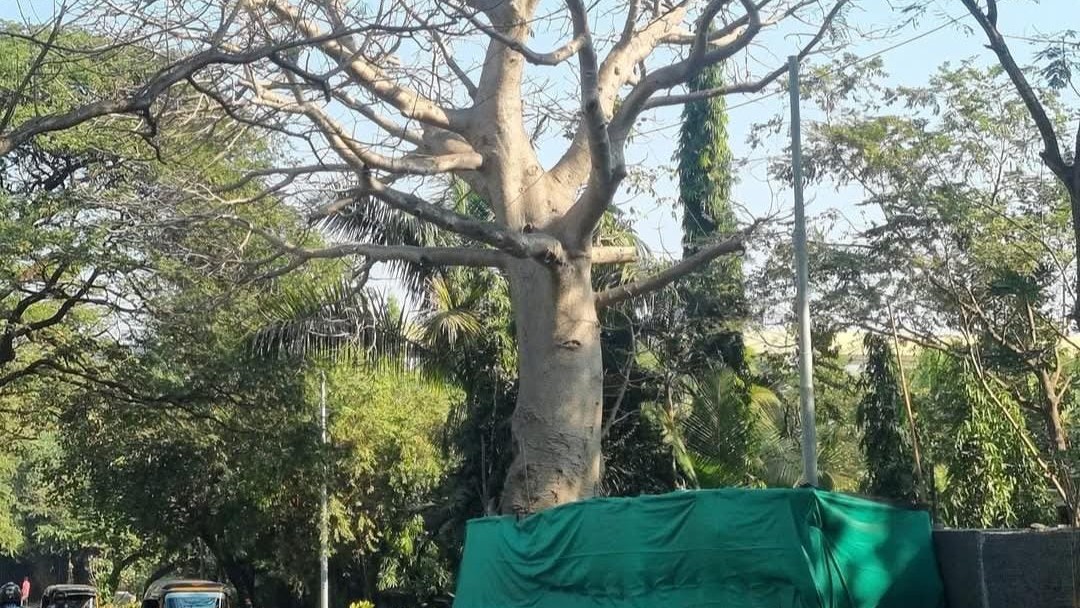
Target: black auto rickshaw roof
65	589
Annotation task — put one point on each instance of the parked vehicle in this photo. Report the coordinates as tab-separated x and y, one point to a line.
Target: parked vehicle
186	593
69	596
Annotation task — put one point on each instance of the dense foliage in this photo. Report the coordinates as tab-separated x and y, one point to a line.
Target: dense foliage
161	373
713	300
890	465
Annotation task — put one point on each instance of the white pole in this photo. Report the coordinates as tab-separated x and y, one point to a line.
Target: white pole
802	303
324	513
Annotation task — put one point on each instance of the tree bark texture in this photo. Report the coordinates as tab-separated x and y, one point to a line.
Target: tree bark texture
557	420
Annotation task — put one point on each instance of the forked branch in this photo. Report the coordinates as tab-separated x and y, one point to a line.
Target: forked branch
550	58
539	246
752	86
363	72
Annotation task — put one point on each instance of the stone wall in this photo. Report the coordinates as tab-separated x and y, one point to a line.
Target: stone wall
1010	568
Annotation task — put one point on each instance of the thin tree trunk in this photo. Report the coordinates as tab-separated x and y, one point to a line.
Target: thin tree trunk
1074	207
112	583
907	402
557	421
1055	428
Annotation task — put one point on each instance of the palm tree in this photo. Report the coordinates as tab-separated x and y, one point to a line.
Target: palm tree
734	432
344	317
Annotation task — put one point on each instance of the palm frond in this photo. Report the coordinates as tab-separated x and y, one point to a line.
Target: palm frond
736	432
461	198
720	429
339	320
453	312
617	231
372	221
671	434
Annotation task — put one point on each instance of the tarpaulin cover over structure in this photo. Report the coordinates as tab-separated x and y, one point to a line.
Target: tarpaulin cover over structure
734	548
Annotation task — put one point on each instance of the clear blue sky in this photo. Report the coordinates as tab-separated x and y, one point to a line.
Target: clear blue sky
911	63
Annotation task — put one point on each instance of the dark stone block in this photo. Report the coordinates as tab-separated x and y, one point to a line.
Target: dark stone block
960	569
1010	568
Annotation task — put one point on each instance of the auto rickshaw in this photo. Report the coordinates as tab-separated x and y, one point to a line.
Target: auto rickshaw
187	593
69	596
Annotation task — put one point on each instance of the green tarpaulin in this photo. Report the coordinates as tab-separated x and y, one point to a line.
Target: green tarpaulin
734	548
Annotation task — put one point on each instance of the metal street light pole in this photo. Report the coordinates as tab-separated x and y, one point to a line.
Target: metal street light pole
802	303
324	514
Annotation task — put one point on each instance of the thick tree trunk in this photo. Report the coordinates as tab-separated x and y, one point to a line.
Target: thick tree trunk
557	421
556	424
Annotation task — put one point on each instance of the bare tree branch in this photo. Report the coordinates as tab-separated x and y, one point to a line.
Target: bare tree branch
286	171
360	154
365	73
386	124
455	67
614	255
550	58
614	295
16	96
1051	147
140	101
607	168
616	71
429	256
700	57
534	245
753	86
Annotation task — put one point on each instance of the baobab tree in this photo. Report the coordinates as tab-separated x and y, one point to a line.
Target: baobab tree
376	106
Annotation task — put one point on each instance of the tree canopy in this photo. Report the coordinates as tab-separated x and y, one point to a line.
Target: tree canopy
215	215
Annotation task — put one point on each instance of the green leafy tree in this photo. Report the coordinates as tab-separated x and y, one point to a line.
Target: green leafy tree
729	421
146	416
201	447
1055	64
89	254
987	476
890	467
63	248
713	413
390	461
713	299
968	245
744	429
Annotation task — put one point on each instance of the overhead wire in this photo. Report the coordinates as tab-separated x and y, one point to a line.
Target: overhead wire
831	71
